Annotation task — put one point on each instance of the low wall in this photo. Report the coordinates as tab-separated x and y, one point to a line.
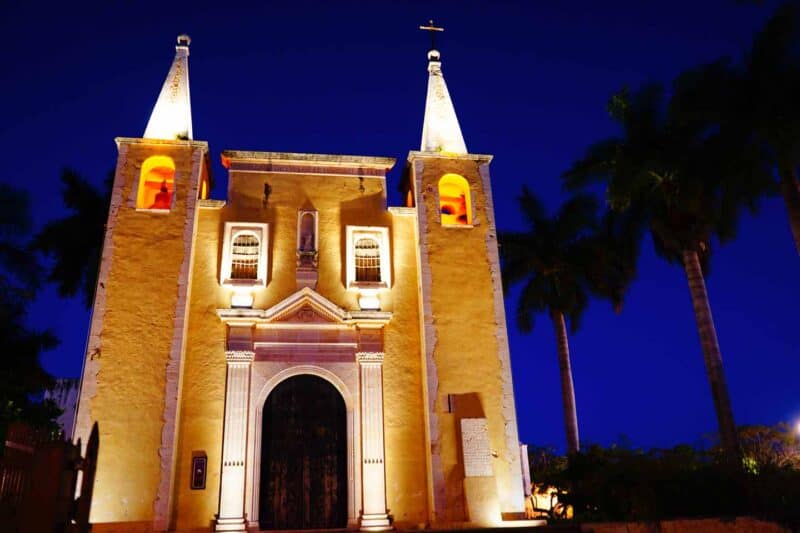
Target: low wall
706	525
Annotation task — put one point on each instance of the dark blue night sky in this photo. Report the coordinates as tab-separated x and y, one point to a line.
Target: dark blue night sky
529	80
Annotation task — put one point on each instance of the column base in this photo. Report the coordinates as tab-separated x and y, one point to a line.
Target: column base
230	524
375	522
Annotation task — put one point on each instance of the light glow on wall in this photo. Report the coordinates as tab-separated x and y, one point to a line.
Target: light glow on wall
242	298
368	300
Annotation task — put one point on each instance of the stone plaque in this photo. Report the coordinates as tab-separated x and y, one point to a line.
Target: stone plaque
475	445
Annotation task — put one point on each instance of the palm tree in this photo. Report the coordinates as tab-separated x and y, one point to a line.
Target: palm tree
75	242
756	100
561	260
686	184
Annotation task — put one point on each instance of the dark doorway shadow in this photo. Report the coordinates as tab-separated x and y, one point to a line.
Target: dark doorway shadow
304	456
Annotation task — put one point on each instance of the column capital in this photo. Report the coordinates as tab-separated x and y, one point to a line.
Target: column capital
239	356
370	357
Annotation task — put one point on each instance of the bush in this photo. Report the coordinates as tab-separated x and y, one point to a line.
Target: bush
617	484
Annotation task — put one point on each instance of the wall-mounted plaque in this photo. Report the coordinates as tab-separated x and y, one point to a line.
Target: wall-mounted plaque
475	445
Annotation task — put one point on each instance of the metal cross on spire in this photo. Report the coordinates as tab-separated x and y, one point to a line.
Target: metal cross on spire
432	29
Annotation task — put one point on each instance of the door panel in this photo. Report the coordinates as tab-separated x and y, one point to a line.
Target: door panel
303	456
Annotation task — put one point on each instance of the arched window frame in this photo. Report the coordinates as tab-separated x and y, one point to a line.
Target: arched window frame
461	181
154	161
232	231
381	236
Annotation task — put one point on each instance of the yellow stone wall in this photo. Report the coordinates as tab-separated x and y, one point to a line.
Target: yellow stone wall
140	296
466	344
203	394
340	202
406	489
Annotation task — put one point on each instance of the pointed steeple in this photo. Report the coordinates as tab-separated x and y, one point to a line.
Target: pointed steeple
172	115
440	129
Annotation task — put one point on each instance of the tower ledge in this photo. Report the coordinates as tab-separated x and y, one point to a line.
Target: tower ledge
416	154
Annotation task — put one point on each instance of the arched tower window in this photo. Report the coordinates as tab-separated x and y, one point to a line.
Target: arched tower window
368	259
455	201
156	183
245	251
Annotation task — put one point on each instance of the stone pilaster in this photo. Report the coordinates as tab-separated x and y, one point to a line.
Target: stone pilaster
373	516
234	443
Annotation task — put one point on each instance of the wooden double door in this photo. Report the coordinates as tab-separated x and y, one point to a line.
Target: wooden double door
303	481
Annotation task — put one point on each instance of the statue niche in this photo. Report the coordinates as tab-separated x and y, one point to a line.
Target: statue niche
307	248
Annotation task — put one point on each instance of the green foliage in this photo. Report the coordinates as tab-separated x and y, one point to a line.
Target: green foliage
74	243
564	258
22	378
677	177
620	484
770	447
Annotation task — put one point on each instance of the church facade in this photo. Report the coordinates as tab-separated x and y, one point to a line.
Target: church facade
325	362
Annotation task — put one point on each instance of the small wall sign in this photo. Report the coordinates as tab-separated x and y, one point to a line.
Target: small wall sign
199	467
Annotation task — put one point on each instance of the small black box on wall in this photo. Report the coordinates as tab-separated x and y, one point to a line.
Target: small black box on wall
199	468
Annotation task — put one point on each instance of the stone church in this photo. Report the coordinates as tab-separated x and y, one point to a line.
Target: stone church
313	372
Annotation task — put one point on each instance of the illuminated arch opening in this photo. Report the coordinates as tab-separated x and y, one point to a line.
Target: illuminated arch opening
455	201
204	189
156	183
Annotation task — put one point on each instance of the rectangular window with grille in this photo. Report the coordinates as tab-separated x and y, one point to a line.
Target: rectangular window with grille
244	257
368	260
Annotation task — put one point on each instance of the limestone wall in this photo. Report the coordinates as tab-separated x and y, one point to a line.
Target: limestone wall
133	333
340	201
465	339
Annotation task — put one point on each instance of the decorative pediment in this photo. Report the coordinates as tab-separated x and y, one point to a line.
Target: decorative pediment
306	306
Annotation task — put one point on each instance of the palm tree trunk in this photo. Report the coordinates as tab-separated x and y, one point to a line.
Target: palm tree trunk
711	354
567	388
790	188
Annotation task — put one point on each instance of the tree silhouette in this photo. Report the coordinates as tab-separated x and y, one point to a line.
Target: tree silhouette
561	260
22	377
75	242
685	184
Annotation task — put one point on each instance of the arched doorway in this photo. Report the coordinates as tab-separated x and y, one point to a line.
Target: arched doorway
303	481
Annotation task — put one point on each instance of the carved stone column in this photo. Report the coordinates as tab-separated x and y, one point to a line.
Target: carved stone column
373	515
234	443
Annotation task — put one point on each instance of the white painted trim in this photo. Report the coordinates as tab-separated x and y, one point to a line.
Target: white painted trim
300	298
163	508
232	230
351	403
436	480
381	235
511	495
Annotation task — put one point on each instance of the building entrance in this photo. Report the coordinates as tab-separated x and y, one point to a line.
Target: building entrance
303	456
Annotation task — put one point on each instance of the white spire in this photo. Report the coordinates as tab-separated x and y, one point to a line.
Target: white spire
440	129
172	115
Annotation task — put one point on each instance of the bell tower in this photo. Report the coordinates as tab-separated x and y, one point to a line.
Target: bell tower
133	365
471	428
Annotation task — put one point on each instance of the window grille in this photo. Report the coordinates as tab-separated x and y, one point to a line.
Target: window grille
368	260
244	257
